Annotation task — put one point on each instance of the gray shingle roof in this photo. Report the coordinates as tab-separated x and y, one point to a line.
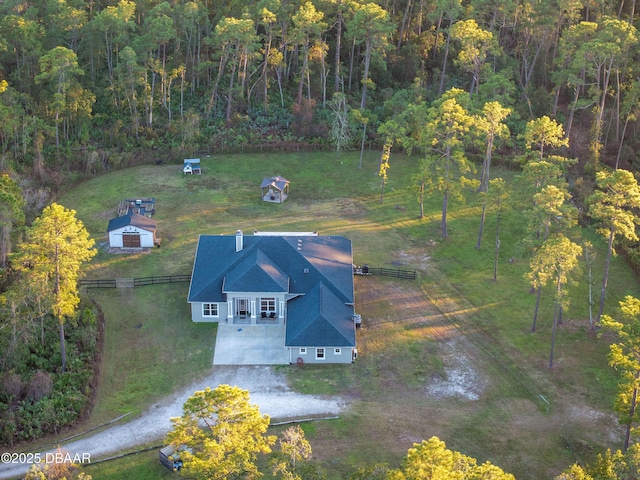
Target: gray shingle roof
133	219
321	319
315	271
256	269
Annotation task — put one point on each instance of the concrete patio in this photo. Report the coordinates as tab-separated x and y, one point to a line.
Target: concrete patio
250	345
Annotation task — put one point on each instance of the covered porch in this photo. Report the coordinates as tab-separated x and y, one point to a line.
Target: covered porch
264	311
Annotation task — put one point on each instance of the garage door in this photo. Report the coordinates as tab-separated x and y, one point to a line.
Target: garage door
131	240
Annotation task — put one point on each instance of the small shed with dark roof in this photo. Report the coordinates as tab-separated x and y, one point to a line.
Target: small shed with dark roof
132	231
274	189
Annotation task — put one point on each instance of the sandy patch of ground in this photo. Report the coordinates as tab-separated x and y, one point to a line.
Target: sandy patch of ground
461	379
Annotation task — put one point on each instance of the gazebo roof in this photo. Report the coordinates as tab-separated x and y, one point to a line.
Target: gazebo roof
276	182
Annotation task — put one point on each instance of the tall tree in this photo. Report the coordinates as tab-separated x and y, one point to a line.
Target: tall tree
128	76
192	23
630	110
11	213
432	459
446	164
476	44
544	132
59	69
158	32
294	451
490	123
363	117
308	25
624	356
614	206
234	434
56	247
266	14
340	127
370	25
607	53
551	214
238	43
555	260
445	10
391	131
24	38
607	466
67	21
113	24
495	199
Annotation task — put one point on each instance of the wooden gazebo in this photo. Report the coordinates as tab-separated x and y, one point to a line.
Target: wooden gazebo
275	189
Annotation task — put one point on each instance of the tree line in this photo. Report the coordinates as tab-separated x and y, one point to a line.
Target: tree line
45	370
86	86
81	81
445	134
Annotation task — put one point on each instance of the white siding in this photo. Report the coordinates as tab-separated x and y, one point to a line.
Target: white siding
146	237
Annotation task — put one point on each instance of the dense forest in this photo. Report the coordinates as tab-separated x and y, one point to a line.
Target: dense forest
88	86
85	83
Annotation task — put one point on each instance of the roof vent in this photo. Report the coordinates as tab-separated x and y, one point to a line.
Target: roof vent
306	270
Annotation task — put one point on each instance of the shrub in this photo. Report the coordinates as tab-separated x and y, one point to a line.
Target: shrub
12	385
40	386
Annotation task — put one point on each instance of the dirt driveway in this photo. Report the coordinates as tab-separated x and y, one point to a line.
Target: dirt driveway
267	388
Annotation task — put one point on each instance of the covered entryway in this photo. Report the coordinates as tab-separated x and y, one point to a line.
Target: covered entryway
131	240
250	345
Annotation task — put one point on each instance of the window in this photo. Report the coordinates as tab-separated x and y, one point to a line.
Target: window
267	304
337	351
209	309
303	351
319	353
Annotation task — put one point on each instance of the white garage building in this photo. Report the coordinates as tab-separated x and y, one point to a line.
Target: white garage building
132	231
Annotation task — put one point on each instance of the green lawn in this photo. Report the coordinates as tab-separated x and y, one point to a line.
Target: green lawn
152	347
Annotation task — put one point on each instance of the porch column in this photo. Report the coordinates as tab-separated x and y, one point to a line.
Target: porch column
281	309
253	312
229	310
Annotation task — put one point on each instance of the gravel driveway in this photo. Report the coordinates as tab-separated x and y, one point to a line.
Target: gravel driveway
267	389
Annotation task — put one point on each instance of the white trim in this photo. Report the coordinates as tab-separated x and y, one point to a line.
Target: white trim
284	234
302	351
337	351
217	310
267	305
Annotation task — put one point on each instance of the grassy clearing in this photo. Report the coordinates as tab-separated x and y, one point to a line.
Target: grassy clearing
151	343
141	466
150	349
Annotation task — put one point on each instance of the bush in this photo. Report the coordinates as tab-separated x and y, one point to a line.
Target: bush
40	386
36	404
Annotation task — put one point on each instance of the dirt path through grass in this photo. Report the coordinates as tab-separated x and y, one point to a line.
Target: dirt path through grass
479	402
267	388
